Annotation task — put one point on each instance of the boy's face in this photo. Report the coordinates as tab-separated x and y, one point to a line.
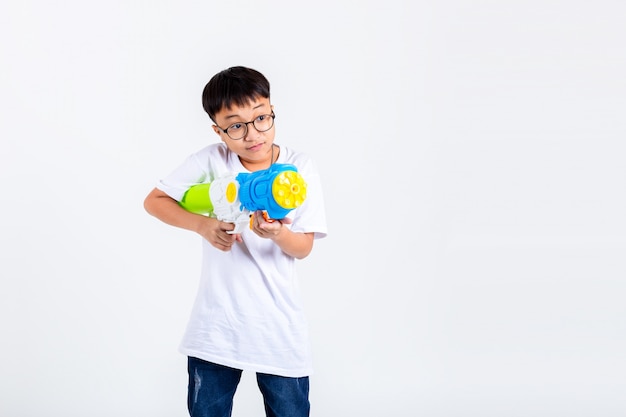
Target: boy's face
255	148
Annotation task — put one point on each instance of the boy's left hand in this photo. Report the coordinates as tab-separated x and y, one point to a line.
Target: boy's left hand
267	228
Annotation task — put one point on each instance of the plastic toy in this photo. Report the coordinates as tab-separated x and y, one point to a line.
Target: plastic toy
234	197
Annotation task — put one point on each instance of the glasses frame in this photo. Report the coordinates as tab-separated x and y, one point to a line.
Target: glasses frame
245	124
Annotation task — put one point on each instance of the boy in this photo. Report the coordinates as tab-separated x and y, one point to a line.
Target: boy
247	314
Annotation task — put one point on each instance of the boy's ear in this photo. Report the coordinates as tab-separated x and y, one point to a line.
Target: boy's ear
216	130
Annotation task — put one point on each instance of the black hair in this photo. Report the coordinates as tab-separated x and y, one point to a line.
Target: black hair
233	86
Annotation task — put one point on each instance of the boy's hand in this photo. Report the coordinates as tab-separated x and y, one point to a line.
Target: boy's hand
267	228
215	232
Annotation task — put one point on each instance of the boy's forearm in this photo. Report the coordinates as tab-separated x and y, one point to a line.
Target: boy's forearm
166	209
298	245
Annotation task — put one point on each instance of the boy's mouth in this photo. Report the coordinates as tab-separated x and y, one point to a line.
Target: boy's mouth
256	147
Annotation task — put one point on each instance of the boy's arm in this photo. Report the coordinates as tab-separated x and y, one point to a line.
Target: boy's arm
166	209
296	244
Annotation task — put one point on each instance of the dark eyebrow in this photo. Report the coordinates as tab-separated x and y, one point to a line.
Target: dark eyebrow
236	115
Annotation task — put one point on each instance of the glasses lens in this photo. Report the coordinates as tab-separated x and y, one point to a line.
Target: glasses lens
264	122
237	131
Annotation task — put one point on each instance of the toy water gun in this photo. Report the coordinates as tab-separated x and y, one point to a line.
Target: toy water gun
234	197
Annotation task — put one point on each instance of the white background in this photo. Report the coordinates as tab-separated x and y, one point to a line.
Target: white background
472	154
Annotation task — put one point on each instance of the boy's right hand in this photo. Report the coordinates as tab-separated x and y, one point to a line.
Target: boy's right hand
216	233
165	208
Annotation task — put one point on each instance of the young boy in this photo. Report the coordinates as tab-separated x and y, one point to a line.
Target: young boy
247	314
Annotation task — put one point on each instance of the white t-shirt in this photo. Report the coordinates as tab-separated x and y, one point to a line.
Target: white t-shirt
248	313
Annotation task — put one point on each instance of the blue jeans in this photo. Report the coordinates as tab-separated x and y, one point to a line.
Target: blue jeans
212	388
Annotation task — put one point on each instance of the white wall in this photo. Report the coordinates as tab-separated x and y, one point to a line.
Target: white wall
473	160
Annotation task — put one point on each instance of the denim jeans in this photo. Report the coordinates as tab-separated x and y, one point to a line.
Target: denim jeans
212	388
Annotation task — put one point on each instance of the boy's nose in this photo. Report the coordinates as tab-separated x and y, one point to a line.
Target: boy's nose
251	132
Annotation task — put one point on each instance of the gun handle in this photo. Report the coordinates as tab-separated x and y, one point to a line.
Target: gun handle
239	227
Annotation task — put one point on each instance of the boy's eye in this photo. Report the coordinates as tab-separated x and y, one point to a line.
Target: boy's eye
236	126
261	117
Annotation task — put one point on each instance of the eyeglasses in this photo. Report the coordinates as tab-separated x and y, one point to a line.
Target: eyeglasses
239	130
